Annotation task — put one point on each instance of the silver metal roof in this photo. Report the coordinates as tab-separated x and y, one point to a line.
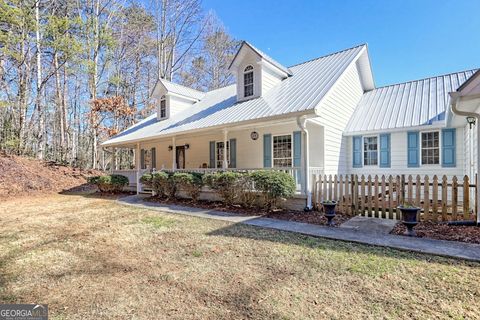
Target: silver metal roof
268	58
182	90
299	93
410	104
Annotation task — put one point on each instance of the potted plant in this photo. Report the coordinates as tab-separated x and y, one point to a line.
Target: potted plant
409	217
329	209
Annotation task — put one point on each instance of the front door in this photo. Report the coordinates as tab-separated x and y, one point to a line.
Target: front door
180	157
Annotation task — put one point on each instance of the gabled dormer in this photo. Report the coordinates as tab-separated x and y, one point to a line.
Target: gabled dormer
171	98
256	73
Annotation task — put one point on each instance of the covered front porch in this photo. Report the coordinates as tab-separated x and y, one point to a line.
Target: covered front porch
282	145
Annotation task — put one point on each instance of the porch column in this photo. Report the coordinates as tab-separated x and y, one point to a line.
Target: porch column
225	153
174	154
114	159
137	166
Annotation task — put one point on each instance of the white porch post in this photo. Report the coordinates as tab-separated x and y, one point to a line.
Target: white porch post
114	159
137	166
225	153
174	154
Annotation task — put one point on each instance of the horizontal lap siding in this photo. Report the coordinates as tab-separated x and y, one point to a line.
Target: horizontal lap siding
398	149
335	112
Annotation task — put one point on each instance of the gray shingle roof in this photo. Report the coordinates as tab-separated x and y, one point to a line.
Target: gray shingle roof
403	105
301	92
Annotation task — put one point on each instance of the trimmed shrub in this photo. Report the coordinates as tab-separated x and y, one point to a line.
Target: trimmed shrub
147	179
191	182
227	184
273	185
93	180
160	183
110	183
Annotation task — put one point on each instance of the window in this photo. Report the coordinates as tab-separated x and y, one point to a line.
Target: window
248	81
219	154
147	159
163	107
430	147
370	151
282	151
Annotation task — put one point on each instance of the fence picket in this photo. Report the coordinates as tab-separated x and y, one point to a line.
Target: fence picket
382	199
426	198
390	196
444	198
435	198
369	198
418	192
375	199
330	193
466	198
410	189
454	198
340	194
362	196
347	206
335	186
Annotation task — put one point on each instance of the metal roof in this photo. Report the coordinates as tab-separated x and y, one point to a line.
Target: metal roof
182	90
268	58
299	93
409	104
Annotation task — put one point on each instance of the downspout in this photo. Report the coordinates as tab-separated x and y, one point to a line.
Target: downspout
302	124
455	98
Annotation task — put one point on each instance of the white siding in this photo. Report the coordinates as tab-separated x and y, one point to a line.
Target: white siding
335	112
253	60
269	79
399	164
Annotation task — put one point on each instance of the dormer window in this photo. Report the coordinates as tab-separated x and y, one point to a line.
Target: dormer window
163	107
248	81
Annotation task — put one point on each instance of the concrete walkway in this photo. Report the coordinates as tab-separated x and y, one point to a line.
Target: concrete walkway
452	249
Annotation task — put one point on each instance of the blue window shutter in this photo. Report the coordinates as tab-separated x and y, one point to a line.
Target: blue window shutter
297	148
233	153
267	150
448	148
142	159
357	151
413	153
385	150
154	158
212	154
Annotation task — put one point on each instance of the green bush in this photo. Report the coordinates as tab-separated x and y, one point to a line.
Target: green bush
192	183
273	185
160	183
146	179
93	180
110	183
227	184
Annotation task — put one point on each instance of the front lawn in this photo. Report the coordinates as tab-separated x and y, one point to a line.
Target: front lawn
90	258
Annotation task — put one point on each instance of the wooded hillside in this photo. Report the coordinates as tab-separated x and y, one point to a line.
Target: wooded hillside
74	72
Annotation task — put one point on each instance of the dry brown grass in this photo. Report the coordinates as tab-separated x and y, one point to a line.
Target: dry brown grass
90	258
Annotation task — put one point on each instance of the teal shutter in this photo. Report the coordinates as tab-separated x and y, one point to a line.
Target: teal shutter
212	154
357	151
448	148
385	150
142	159
233	153
413	153
267	150
297	148
154	158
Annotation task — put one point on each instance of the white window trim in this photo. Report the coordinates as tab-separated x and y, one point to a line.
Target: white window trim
271	151
439	149
363	150
163	98
216	154
252	71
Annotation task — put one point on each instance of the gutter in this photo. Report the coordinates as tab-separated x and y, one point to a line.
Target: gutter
302	124
455	99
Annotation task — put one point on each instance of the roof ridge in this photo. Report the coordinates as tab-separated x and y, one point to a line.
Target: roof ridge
327	55
420	79
178	84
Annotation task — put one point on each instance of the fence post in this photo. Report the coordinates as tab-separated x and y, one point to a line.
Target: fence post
444	197
354	194
390	196
402	188
362	195
426	198
466	198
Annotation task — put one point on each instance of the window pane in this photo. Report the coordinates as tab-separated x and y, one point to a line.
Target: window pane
219	154
248	84
282	151
430	147
370	151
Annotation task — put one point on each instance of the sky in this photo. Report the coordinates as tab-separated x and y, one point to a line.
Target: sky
407	39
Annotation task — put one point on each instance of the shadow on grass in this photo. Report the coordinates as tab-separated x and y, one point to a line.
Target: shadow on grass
239	230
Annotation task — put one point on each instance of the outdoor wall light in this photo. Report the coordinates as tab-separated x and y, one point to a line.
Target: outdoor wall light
187	146
471	121
170	148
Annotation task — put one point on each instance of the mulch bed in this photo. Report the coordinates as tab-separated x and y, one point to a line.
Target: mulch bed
312	217
442	231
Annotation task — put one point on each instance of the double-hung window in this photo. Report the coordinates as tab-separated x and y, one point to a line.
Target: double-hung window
163	107
219	153
370	151
430	147
282	151
248	81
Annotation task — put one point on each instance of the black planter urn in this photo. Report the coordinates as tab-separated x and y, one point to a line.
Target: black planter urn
329	209
409	218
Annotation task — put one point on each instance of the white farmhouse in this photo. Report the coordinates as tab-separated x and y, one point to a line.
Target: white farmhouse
323	116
